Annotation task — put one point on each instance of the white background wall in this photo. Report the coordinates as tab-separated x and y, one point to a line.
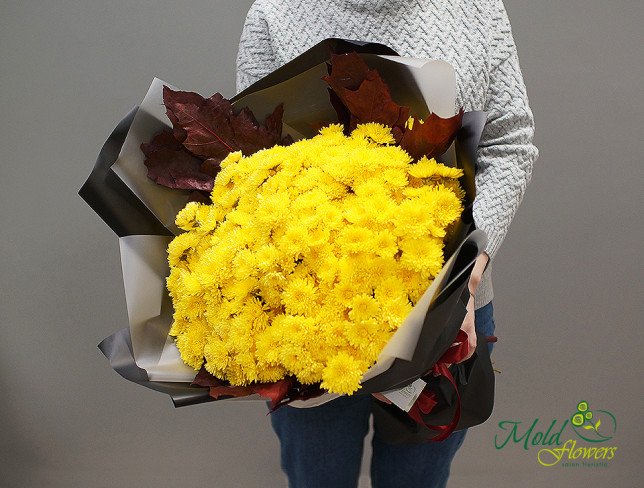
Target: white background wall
568	278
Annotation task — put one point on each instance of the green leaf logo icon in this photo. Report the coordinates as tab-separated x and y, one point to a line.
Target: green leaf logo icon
587	423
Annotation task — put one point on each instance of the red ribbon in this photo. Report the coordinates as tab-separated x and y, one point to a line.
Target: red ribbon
427	399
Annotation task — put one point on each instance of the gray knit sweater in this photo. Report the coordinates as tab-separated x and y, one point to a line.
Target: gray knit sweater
473	35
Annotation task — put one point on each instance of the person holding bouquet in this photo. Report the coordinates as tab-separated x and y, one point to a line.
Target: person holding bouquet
322	446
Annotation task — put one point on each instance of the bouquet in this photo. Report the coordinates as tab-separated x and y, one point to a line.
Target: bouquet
322	252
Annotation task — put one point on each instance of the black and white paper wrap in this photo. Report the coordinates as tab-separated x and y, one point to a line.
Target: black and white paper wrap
142	214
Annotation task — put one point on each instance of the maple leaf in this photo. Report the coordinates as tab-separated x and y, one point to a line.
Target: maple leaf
432	137
200	197
210	129
276	391
363	92
170	164
204	378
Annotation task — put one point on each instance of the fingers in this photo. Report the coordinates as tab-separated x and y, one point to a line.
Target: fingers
471	340
477	272
469	329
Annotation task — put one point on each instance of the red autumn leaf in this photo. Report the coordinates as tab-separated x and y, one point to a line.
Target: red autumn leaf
210	129
306	392
348	70
199	197
344	117
211	166
204	378
280	392
276	392
363	92
169	164
432	137
217	392
299	392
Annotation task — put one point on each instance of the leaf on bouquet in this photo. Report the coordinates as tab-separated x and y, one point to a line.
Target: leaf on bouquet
199	197
276	392
431	137
204	378
210	129
363	93
170	164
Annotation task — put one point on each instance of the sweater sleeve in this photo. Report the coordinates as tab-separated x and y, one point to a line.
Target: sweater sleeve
506	153
255	57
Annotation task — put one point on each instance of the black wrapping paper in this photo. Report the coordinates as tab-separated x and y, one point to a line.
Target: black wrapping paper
110	198
475	380
117	348
116	204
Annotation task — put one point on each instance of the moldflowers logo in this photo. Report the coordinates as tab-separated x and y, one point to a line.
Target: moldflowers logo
585	439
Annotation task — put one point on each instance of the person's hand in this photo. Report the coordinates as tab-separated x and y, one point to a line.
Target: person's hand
468	327
468	322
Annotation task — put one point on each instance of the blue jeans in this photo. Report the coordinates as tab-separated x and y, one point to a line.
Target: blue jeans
321	447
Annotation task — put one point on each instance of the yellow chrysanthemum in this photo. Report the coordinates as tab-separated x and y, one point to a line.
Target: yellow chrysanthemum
216	356
353	239
378	133
385	244
430	168
363	307
181	246
231	159
420	254
342	374
186	218
309	258
266	345
333	133
390	288
299	296
191	343
446	208
394	310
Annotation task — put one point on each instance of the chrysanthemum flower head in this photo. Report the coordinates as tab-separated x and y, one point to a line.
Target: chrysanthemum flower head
378	133
342	374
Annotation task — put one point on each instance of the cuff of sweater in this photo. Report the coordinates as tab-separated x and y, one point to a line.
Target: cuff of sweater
485	291
494	240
